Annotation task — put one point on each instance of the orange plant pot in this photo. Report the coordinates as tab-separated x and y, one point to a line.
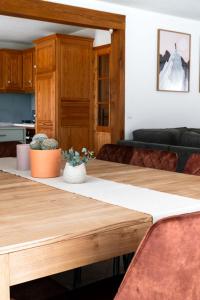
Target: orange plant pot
45	163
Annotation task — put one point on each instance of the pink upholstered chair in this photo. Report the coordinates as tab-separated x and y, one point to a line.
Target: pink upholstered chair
115	153
8	149
167	263
193	165
156	159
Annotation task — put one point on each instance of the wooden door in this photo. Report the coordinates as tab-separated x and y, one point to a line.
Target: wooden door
28	70
76	98
45	104
102	124
13	71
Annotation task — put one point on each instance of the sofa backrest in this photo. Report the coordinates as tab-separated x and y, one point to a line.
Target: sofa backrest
157	159
190	139
183	136
168	136
166	264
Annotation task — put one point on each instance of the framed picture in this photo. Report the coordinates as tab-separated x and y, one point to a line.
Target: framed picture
173	73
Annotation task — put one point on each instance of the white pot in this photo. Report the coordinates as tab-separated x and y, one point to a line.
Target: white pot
74	174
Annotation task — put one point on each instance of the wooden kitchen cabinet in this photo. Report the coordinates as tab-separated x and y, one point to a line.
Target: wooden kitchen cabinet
45	55
11	70
64	98
29	70
17	72
45	104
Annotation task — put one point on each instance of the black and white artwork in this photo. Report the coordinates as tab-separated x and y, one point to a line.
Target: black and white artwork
173	61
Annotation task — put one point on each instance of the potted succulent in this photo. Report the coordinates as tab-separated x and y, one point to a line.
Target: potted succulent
45	157
75	170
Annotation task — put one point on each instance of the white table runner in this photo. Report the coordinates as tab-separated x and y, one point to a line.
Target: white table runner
157	204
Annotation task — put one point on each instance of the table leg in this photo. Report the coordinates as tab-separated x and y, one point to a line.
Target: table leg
4	277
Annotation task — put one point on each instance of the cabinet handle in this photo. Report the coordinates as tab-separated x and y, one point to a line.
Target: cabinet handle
2	135
9	81
30	81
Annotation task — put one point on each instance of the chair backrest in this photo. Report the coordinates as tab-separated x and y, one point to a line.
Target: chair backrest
193	165
157	159
115	153
8	149
167	263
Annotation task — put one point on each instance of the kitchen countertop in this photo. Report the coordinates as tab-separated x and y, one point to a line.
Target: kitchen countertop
24	125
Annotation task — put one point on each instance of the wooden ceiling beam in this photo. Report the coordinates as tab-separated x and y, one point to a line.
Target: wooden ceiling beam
60	13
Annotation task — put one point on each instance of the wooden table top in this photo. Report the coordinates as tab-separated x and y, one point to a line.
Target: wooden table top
159	180
33	214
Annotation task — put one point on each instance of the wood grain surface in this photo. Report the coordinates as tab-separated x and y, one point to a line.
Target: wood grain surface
60	13
46	231
159	180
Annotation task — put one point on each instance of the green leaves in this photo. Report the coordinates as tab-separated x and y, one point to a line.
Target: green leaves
74	158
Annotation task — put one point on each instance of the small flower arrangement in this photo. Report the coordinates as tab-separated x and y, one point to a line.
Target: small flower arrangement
74	158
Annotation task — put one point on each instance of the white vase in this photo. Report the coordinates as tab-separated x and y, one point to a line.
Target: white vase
75	174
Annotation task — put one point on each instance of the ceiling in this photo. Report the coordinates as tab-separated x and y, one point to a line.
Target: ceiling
182	8
24	31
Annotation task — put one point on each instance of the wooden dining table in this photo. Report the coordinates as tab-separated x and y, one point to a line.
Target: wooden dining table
44	230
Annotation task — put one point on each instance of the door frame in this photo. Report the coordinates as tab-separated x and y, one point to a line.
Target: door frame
77	16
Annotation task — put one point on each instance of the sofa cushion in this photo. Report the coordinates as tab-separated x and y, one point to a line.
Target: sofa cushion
193	165
137	144
163	160
190	139
197	130
170	136
8	149
115	153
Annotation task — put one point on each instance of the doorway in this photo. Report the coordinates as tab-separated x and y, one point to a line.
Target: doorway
70	15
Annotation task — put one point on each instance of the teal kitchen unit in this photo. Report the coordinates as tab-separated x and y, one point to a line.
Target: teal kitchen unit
8	134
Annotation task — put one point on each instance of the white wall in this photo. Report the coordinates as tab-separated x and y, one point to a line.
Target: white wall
101	37
15	45
145	107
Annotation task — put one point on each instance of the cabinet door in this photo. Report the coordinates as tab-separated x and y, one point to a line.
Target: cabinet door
45	104
28	70
76	107
14	70
45	56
